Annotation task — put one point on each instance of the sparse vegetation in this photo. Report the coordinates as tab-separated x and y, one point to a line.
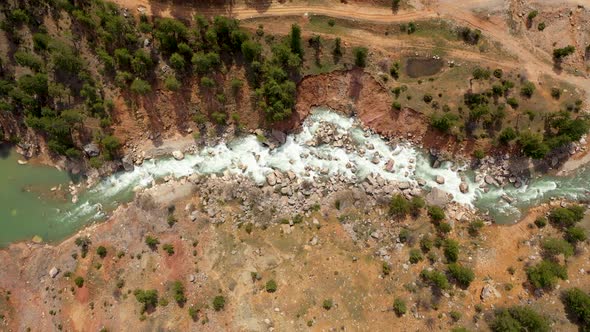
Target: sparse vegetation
219	303
399	307
519	318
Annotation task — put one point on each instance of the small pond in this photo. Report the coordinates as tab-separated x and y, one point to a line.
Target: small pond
418	67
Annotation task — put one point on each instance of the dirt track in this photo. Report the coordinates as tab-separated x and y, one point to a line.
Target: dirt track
535	62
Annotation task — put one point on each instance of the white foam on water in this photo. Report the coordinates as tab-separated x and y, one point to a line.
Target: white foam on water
247	156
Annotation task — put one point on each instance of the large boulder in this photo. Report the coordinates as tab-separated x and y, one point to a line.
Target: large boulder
53	272
127	162
177	154
91	150
438	197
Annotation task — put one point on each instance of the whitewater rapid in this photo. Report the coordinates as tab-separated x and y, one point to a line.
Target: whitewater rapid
249	157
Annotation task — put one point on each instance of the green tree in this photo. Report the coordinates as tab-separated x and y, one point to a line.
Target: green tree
519	318
147	298
532	145
170	33
171	83
462	275
337	47
577	304
177	62
360	56
111	144
295	40
140	86
399	206
251	50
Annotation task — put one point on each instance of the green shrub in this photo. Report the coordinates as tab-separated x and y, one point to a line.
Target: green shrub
271	286
386	268
444	228
177	62
79	281
396	105
541	222
218	303
481	73
101	251
560	53
541	26
577	304
84	243
566	217
533	145
178	291
327	304
152	242
545	274
519	318
140	87
415	256
575	234
498	73
193	312
475	227
462	275
527	89
436	213
554	246
455	315
443	122
426	243
512	102
171	83
404	235
451	250
399	307
148	298
169	248
417	203
436	279
399	206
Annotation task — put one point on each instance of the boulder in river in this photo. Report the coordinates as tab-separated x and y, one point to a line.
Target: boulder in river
177	154
439	179
464	187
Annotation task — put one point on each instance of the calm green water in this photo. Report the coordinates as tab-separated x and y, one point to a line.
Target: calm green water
28	207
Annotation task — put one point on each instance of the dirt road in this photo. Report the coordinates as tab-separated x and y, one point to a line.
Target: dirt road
536	63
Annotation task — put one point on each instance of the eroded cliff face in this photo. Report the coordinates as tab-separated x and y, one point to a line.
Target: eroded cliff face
356	92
